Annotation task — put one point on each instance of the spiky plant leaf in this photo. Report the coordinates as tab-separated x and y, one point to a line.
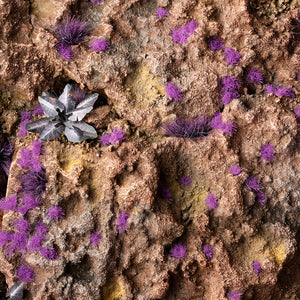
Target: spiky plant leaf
49	107
67	98
52	131
38	126
78	131
88	101
16	291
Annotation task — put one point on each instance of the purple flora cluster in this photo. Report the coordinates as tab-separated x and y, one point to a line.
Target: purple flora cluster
95	239
71	31
185	180
215	44
208	251
229	90
234	295
173	91
211	201
6	151
25	273
254	185
257	267
122	221
280	91
192	129
227	127
116	135
180	35
164	192
25	117
96	1
255	76
267	152
178	251
55	213
38	111
235	170
232	56
161	13
99	45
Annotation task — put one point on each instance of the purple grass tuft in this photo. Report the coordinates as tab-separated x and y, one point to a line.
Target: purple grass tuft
180	35
208	251
22	132
65	51
164	192
217	123
33	183
185	180
35	242
255	76
5	237
229	90
9	203
211	201
232	56
192	129
71	31
261	197
25	273
285	92
37	147
22	225
99	45
215	44
25	115
29	202
234	295
270	89
38	111
96	1
253	184
173	91
297	112
41	228
257	267
95	238
235	170
178	251
267	152
161	13
18	243
116	135
49	253
122	221
56	213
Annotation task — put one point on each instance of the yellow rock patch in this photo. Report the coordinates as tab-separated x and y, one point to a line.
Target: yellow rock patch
114	289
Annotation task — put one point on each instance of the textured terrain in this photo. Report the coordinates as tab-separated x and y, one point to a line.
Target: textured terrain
95	183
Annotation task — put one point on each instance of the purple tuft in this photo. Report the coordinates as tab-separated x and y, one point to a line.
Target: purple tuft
255	76
192	129
95	238
37	147
261	197
96	1
25	274
215	44
10	203
18	243
25	115
211	201
270	89
99	45
185	180
267	152
164	192
22	132
229	90
161	13
208	251
285	92
35	242
232	56
180	35
38	110
253	184
217	123
33	183
297	112
178	251
41	228
234	295
71	32
65	51
257	267
5	237
49	253
235	170
116	135
29	202
122	221
173	91
22	225
56	213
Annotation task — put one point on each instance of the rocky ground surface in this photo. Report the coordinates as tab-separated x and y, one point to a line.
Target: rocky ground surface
95	183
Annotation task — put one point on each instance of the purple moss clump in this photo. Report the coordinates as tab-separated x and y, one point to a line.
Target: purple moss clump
178	251
185	180
55	213
49	253
227	127
255	76
115	136
255	186
232	56
234	295
173	91
229	90
122	221
215	44
180	35
235	170
25	273
208	251
95	239
161	13
211	201
99	45
267	152
192	129
65	51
